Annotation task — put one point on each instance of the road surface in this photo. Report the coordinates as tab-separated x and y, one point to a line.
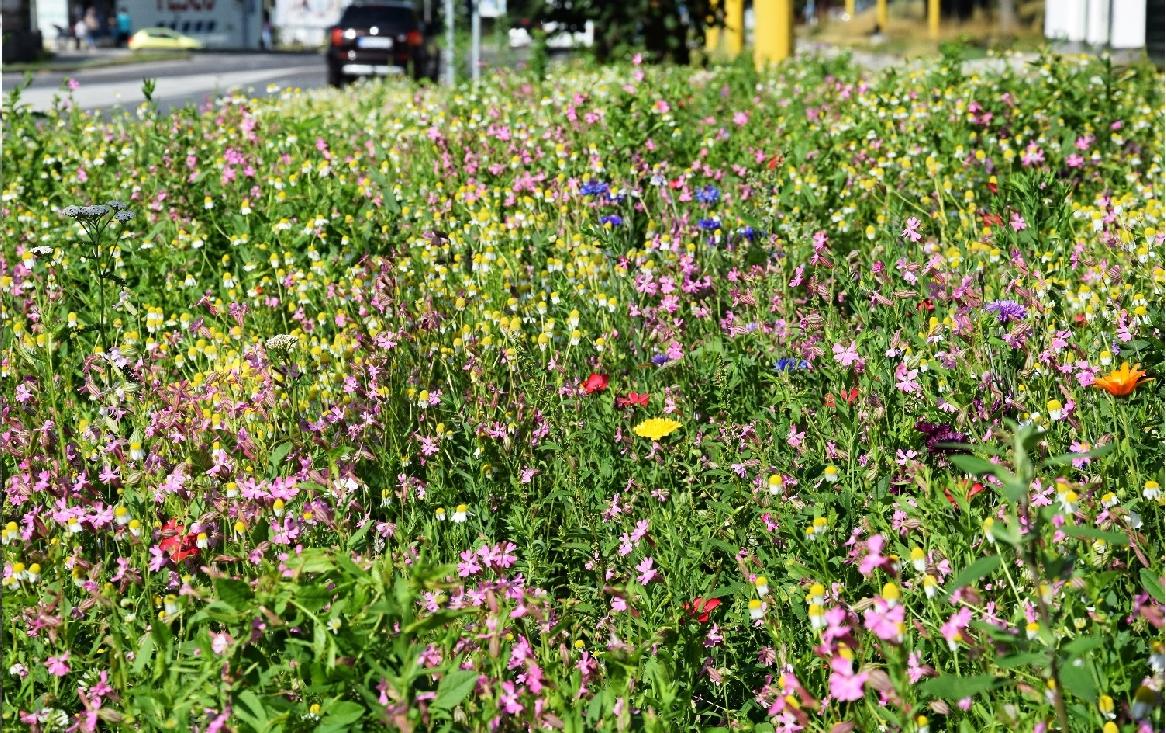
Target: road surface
192	81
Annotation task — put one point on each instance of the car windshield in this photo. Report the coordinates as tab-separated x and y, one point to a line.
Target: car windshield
391	17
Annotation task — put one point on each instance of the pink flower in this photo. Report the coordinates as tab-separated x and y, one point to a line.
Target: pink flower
647	572
845	686
915	670
58	666
911	230
220	642
874	558
885	621
1018	223
846	355
953	628
905	379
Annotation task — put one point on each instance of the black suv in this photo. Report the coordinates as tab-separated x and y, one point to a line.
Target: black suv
378	39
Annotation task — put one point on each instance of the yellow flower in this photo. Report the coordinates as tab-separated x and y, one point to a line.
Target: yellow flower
656	428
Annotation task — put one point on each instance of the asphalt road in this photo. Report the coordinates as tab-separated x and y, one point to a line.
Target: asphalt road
204	76
178	83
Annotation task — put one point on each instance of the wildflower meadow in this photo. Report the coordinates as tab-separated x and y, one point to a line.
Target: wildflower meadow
632	398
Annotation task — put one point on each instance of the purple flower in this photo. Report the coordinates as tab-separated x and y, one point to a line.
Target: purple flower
709	224
937	434
593	188
613	219
708	195
1007	310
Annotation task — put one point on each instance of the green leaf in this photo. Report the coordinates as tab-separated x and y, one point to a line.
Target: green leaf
454	687
255	715
975	465
312	560
144	654
954	687
1032	659
1082	532
1066	459
974	572
278	454
340	716
235	593
1152	582
1077	680
1082	644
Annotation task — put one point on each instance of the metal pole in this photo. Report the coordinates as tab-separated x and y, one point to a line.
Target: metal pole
933	19
475	43
773	31
447	56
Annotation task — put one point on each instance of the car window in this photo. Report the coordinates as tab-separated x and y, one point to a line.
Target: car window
395	18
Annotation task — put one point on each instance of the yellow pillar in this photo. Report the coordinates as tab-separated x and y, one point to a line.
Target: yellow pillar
773	31
881	15
730	39
850	9
933	19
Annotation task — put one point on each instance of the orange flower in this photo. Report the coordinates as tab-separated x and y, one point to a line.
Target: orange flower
1121	382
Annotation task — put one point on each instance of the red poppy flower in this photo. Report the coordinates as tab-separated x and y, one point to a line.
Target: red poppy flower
992	220
975	488
993	187
633	399
849	396
595	383
176	542
774	162
700	608
925	305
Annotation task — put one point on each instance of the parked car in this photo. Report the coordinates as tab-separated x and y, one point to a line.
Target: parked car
558	38
161	38
379	39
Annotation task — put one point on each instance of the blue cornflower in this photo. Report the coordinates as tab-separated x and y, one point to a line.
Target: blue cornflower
660	359
616	198
708	195
593	188
710	224
613	219
747	232
787	363
1007	310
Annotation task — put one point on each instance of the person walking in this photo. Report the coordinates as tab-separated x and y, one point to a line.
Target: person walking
124	26
83	35
92	27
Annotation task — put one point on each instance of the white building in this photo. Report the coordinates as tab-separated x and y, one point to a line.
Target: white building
217	23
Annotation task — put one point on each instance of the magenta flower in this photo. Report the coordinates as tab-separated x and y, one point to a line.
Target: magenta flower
58	666
845	686
885	621
911	230
873	558
847	355
915	670
647	572
953	628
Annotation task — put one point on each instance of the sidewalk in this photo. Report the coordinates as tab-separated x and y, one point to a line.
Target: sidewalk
72	59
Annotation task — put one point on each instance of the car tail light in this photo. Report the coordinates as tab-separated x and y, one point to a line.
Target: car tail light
413	38
337	37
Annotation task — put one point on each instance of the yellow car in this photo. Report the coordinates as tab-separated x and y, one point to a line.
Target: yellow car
162	38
